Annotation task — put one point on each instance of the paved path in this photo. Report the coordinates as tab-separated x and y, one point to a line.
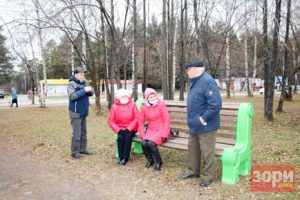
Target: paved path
21	180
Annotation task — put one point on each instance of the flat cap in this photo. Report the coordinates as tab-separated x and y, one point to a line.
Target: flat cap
194	63
79	70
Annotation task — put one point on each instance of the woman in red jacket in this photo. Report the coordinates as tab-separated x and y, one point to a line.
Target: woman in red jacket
156	114
123	120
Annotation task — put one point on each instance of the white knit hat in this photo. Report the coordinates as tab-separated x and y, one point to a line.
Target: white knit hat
121	93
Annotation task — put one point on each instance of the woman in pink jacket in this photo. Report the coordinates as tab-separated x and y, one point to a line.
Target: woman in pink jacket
123	120
156	114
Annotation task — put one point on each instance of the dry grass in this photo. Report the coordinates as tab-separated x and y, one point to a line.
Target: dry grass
43	137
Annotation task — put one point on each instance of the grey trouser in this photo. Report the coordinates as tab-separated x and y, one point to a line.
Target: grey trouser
79	138
202	143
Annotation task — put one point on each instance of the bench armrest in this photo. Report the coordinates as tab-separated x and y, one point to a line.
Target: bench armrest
236	160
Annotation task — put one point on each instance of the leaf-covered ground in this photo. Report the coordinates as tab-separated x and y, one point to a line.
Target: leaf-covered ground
39	140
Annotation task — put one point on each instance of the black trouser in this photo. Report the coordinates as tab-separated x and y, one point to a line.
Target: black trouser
124	144
151	151
14	101
79	135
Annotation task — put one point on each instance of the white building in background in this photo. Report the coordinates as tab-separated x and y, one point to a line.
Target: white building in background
129	85
56	87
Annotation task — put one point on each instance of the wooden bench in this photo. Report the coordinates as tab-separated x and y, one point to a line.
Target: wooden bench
233	141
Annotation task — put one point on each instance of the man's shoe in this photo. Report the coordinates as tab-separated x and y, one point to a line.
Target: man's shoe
76	156
123	162
119	160
157	166
149	164
205	182
87	152
189	175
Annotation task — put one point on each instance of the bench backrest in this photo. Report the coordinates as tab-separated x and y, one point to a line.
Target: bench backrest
226	135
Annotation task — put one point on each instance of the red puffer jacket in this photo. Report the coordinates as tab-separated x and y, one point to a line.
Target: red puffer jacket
123	116
158	119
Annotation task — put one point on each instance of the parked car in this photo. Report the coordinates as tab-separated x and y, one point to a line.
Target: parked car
2	93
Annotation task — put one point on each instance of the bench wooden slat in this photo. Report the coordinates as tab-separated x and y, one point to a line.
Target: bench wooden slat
179	144
228	113
180	119
184	132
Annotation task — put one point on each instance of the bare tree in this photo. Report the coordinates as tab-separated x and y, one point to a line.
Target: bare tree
183	21
145	68
248	83
45	85
164	58
266	52
135	92
271	74
286	54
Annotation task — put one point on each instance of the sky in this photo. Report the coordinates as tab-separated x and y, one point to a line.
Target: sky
13	10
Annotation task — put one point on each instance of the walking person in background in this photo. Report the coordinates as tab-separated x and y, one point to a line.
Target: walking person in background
14	97
29	94
79	92
203	108
156	114
123	120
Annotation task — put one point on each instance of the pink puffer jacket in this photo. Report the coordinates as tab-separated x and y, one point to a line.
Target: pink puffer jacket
158	119
123	116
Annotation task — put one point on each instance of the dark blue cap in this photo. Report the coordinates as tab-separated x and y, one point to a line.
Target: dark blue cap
194	63
79	70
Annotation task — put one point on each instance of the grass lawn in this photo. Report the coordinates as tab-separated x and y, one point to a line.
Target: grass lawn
43	136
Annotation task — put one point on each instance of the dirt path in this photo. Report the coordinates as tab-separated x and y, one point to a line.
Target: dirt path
19	179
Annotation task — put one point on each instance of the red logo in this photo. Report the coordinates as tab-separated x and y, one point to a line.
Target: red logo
273	178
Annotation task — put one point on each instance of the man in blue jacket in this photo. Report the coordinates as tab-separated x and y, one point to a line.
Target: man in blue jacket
79	92
203	109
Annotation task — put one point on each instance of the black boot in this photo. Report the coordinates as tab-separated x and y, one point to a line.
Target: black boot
149	164
157	166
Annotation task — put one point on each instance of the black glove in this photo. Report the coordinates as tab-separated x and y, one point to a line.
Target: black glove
121	132
163	139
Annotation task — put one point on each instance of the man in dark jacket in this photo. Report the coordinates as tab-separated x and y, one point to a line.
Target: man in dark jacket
203	108
79	92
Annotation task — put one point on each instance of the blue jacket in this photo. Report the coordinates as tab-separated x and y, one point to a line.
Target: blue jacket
14	94
78	98
204	101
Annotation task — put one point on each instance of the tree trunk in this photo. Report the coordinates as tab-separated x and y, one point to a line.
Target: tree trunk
164	59
228	67
266	52
43	54
182	50
286	54
174	59
197	30
271	79
248	83
171	52
134	71
255	47
83	42
145	71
